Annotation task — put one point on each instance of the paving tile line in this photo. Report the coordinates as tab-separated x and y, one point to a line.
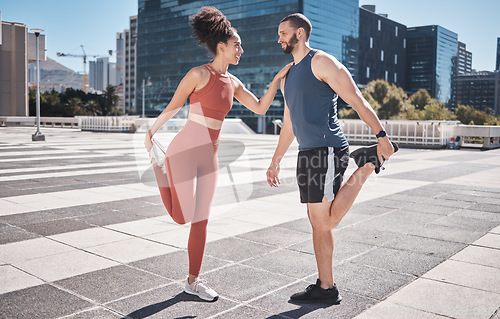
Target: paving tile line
64	172
137	237
180	284
50	169
141	191
248	303
46	158
110	228
388	298
118	263
81	312
302	279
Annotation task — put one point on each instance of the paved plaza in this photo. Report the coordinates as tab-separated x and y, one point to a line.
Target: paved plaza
83	234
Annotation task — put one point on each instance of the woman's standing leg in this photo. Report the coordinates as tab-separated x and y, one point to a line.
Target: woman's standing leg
205	191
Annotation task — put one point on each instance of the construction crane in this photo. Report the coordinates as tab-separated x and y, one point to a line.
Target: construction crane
84	56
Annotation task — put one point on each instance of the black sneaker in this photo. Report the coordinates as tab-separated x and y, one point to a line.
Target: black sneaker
368	154
316	294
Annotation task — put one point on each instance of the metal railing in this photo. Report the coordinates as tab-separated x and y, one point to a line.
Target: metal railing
430	134
44	121
411	133
107	123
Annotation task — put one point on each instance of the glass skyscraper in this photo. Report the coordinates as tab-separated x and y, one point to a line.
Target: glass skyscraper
166	49
497	65
382	48
432	61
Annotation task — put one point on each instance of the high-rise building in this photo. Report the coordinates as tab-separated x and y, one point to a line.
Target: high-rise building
166	49
382	48
480	90
464	64
498	55
101	74
17	49
131	86
13	70
431	59
126	57
120	69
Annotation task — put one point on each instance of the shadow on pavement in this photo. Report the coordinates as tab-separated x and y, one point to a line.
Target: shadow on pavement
299	312
150	310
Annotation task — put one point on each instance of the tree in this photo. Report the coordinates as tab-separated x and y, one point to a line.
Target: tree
387	100
378	89
391	107
471	116
420	99
111	99
435	110
75	102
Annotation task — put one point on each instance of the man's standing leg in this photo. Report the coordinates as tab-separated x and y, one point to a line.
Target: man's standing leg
324	217
323	242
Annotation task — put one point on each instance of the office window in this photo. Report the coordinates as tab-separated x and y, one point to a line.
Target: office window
386	75
371	43
395	77
404	43
396	31
367	72
379	25
381	55
395	59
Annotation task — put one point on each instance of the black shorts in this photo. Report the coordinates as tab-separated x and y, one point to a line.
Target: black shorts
320	173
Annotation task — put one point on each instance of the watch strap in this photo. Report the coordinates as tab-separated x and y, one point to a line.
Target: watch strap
381	134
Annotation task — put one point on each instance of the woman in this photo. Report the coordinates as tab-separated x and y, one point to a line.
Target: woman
188	178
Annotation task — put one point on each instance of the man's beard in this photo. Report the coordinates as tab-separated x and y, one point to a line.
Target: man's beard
291	44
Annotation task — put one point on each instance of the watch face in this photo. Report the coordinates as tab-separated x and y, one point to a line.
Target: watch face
381	134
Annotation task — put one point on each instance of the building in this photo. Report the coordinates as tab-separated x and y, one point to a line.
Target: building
431	59
480	90
101	74
120	68
126	57
464	57
166	49
498	55
17	48
129	89
382	48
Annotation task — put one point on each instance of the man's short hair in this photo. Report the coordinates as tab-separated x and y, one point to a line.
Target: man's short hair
298	20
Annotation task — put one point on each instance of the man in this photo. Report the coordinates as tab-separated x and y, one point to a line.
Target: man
310	91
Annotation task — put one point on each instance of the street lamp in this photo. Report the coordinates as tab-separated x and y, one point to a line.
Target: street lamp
38	136
144	84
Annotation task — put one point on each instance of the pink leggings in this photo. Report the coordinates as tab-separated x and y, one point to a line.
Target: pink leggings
188	188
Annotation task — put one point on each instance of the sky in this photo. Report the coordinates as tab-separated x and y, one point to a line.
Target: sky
68	24
94	23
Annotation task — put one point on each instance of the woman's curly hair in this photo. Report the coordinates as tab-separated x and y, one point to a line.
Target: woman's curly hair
210	27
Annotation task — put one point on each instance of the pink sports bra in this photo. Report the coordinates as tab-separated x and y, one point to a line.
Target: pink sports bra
215	99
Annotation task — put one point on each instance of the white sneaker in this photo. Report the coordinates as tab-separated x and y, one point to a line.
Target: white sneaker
199	289
157	153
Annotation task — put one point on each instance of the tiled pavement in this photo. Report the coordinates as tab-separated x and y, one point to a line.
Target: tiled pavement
83	234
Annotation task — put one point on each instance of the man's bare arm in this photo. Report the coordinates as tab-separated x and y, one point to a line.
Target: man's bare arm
328	69
286	138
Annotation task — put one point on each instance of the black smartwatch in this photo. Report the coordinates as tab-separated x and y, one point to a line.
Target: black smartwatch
381	134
